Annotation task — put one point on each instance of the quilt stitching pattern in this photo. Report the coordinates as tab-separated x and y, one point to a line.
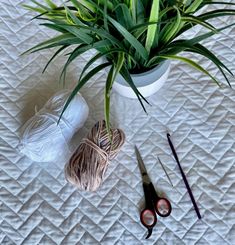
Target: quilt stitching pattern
37	205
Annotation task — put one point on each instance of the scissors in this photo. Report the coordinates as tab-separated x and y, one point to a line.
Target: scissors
153	203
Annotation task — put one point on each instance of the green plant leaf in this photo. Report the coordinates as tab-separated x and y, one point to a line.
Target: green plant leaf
81	34
194	40
207	53
217	2
172	28
100	32
85	3
140	29
180	46
192	63
55	27
126	75
80	50
123	16
72	16
51	4
200	49
133	9
106	27
100	55
35	9
196	20
109	82
193	6
134	35
131	39
109	4
207	16
55	40
40	5
154	61
152	29
115	68
53	57
140	12
217	13
81	83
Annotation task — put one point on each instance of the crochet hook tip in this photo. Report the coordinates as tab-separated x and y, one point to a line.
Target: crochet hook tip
168	177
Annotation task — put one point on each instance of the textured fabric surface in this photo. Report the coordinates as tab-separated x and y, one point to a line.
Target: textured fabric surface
37	205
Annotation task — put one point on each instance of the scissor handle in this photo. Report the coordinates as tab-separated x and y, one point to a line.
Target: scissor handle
148	216
162	205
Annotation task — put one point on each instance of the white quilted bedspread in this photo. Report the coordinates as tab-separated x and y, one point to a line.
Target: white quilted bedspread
37	206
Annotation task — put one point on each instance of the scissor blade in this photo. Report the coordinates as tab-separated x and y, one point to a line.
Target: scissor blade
142	168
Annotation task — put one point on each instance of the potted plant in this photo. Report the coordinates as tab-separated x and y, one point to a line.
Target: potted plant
135	36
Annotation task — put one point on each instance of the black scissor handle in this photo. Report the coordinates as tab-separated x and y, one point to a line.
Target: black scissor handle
162	205
148	218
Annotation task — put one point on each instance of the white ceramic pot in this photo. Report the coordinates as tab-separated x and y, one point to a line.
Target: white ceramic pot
147	83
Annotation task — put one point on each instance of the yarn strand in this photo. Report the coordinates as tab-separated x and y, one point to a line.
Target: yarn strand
87	166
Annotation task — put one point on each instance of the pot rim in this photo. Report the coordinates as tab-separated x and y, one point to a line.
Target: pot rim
152	70
146	78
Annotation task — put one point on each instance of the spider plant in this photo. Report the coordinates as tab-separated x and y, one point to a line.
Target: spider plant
133	35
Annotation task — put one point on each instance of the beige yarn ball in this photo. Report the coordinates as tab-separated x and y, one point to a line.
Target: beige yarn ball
88	164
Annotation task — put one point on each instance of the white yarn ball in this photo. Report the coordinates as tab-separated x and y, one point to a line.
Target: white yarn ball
43	139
